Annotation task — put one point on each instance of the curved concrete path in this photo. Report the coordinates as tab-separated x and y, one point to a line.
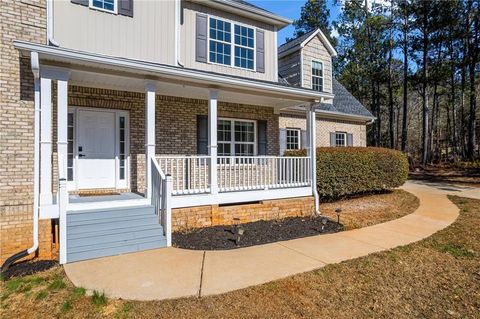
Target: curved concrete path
173	273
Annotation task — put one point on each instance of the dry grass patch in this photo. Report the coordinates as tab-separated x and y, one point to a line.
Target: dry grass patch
373	209
435	278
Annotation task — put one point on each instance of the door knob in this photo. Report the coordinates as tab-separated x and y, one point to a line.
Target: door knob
81	155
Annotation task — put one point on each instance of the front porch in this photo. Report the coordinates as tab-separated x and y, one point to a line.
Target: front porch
123	126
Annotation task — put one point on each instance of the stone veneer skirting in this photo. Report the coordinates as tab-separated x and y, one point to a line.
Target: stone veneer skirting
213	215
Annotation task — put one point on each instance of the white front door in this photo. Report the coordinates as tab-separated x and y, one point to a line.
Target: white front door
96	149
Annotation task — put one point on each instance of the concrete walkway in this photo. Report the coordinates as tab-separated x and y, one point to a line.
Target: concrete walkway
173	273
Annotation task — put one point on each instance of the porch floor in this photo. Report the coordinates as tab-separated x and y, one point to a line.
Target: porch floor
77	199
137	275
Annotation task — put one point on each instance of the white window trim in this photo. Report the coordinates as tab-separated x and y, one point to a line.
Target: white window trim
232	43
232	136
115	7
312	76
344	138
299	131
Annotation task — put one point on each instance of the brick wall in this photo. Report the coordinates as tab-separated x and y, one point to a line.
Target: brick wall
20	20
212	215
325	126
176	122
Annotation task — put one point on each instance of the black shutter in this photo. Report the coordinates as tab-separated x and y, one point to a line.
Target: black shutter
333	141
262	137
349	139
81	2
260	55
202	134
125	8
201	38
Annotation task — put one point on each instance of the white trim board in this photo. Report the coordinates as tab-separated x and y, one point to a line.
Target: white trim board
239	197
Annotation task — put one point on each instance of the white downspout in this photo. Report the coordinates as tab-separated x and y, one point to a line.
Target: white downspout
35	64
178	18
50	40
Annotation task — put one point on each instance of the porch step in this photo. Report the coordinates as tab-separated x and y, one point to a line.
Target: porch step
107	232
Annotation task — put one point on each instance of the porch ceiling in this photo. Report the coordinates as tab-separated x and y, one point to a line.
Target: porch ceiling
93	70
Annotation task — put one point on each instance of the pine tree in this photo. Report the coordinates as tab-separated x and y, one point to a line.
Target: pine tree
314	15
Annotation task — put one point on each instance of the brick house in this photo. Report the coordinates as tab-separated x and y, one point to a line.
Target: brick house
123	121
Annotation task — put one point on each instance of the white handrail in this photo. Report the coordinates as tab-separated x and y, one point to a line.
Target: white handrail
161	198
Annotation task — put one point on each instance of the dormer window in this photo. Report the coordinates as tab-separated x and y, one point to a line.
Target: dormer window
105	5
317	75
221	43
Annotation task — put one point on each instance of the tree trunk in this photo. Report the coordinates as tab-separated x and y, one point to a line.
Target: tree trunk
425	85
391	119
404	147
472	31
452	93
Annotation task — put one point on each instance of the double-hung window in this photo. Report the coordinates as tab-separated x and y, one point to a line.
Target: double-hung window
317	76
236	137
340	139
293	139
221	43
106	5
244	40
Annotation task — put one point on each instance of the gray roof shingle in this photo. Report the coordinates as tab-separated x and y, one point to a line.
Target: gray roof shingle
344	102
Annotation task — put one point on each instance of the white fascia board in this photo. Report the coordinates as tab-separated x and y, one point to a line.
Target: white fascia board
219	80
239	8
323	38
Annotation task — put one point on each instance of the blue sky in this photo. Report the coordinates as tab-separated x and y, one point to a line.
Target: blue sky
291	9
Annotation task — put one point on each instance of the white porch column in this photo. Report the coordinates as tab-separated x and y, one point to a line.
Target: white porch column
62	155
150	91
46	141
312	153
212	139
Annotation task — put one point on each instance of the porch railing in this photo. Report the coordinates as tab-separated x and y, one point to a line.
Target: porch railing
190	174
239	173
161	198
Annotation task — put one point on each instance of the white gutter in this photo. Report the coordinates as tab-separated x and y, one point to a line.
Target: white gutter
35	64
353	117
239	7
213	79
50	40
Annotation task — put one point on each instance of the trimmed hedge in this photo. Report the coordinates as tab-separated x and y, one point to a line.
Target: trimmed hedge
343	171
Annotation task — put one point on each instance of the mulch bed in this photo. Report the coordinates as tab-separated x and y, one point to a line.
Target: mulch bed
255	233
28	268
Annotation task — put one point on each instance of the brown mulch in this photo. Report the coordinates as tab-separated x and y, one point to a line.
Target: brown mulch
438	277
254	233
